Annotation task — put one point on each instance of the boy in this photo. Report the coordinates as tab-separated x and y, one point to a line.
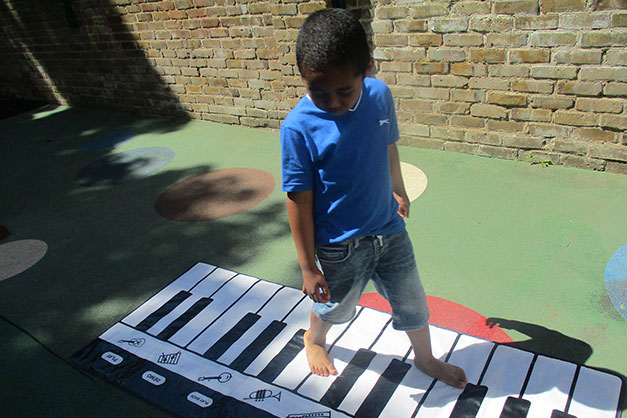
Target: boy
345	193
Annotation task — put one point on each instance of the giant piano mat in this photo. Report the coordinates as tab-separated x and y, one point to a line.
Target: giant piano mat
215	343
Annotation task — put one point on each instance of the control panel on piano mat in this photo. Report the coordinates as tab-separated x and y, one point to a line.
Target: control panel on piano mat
217	343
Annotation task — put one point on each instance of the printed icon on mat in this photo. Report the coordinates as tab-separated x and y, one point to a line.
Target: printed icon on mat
169	358
154	378
324	414
263	394
133	342
200	399
112	358
222	378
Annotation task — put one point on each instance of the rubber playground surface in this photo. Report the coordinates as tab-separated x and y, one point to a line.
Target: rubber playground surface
104	209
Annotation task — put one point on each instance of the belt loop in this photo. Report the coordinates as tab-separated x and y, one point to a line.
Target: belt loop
380	238
356	243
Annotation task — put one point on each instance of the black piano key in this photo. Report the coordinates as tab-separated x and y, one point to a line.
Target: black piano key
165	309
515	408
383	389
228	339
285	356
560	414
469	401
343	383
251	352
187	316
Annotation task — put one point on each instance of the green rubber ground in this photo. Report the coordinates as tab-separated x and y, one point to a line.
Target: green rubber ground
521	243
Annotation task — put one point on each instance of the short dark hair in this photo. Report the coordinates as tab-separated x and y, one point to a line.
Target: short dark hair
332	38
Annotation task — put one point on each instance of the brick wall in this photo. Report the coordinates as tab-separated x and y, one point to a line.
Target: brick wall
518	79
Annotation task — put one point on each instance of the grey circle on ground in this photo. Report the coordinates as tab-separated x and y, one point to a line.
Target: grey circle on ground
215	194
18	256
125	166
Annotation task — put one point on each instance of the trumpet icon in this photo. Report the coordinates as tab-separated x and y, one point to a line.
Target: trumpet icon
263	394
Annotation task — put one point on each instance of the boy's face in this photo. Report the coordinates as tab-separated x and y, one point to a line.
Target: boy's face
334	90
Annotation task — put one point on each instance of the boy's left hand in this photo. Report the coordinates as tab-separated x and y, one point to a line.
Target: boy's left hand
403	205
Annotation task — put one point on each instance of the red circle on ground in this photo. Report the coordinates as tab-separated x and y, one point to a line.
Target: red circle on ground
447	314
215	195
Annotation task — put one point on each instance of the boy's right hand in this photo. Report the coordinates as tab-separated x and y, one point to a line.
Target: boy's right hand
315	287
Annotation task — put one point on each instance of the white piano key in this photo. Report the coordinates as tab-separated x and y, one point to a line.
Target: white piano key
596	395
251	302
361	334
275	310
471	354
413	387
549	386
221	302
504	377
392	344
214	281
185	282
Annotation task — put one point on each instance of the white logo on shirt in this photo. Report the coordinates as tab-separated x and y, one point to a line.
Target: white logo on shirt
384	121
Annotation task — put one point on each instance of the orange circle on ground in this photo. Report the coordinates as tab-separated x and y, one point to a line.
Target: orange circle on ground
215	195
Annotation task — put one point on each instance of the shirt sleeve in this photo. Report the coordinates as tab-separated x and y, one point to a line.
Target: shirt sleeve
394	133
295	162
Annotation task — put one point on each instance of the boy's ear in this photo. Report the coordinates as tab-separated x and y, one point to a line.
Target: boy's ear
370	69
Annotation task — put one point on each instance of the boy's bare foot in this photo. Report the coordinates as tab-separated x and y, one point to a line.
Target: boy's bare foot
317	356
446	372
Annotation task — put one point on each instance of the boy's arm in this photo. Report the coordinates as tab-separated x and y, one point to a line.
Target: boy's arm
398	187
300	214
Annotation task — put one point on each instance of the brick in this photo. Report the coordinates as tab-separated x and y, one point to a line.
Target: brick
529	56
594	134
614	122
283	9
470	8
448	81
603	38
492	24
506	39
391	12
570	146
616	57
425	39
488	55
533	86
599	105
603	73
413	129
396	66
483	137
549	6
444	132
551	102
467	121
615	89
531	115
549	130
469	96
571	118
413	80
406	54
616	167
516	7
310	7
488	111
523	142
507	99
410	25
429	10
453	108
579	88
584	20
577	56
416	105
431	67
433	93
382	40
508	71
537	22
428	143
449	25
552	39
619	20
446	55
505	126
470	39
430	119
497	152
487	83
608	152
554	72
382	26
462	147
469	69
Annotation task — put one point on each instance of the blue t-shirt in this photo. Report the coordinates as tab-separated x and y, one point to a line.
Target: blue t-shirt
344	160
